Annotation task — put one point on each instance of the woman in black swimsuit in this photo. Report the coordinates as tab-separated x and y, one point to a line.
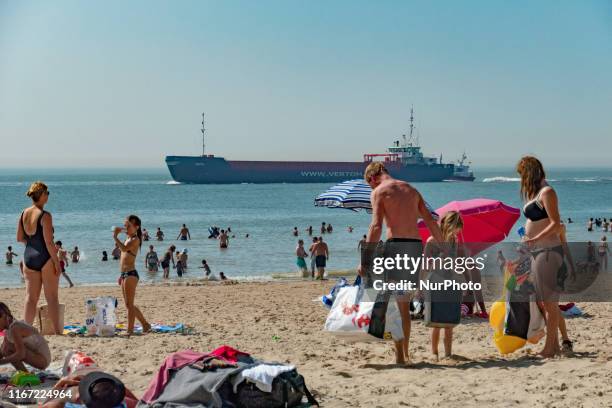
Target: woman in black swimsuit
127	264
543	236
41	264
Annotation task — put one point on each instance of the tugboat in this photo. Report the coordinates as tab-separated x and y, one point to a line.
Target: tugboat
404	161
462	170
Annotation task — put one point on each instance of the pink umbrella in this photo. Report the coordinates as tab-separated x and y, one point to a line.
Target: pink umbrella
485	222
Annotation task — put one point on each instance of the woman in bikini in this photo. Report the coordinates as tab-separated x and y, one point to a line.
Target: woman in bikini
23	344
542	235
41	267
127	265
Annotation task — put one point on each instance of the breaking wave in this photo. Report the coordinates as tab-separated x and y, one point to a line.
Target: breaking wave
500	179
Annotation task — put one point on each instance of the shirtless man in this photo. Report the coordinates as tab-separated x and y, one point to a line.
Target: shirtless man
399	206
9	255
184	234
320	251
312	257
75	255
223	239
62	255
159	235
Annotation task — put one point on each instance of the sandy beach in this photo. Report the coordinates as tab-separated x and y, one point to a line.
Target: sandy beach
278	321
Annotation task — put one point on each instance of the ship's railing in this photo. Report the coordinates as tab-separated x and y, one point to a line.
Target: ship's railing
387	157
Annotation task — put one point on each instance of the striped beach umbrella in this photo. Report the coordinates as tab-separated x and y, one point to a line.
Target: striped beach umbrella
353	195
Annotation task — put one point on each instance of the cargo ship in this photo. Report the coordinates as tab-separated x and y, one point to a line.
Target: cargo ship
404	160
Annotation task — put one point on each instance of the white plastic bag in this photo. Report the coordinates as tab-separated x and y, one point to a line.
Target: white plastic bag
100	317
349	317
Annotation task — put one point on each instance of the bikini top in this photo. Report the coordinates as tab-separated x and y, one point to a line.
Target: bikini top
534	210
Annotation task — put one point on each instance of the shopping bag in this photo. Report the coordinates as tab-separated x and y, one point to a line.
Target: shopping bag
100	316
356	320
45	325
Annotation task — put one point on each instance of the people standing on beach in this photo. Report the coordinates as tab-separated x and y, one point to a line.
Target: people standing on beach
301	255
295	232
309	230
590	225
542	235
152	260
165	263
41	265
566	344
184	234
104	256
603	250
145	235
605	225
62	255
398	205
320	252
9	255
451	225
323	228
116	253
206	268
223	240
23	344
127	266
159	235
184	258
75	255
312	257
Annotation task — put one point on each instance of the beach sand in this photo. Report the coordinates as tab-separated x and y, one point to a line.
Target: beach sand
278	321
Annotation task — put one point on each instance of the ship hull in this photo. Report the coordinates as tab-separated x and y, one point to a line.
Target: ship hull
217	170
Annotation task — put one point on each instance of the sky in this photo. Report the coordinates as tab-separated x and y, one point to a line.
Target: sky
122	84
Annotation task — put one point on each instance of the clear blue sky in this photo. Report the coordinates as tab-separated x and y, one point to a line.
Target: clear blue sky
116	83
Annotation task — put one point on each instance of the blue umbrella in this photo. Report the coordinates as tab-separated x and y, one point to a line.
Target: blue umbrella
353	195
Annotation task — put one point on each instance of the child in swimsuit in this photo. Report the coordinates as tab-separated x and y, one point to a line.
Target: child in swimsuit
23	344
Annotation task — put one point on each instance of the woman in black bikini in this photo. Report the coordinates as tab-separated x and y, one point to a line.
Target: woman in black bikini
543	235
41	264
127	264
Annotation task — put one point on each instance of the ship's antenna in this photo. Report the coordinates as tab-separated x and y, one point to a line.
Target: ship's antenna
412	126
203	132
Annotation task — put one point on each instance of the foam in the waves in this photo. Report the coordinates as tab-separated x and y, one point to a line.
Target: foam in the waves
500	179
173	182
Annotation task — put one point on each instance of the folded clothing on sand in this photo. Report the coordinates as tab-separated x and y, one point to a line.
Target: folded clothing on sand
261	375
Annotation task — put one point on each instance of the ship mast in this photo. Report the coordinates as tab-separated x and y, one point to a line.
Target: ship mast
412	126
203	130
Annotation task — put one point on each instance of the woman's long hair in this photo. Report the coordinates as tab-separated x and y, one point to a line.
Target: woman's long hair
450	223
134	219
4	309
532	174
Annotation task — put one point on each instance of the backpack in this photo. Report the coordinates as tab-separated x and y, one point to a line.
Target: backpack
288	389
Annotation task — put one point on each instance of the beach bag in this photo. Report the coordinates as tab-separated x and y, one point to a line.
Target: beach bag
76	360
443	306
100	316
355	320
45	324
288	389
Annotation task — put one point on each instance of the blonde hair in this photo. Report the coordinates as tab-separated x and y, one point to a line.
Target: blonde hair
36	190
449	224
532	174
374	169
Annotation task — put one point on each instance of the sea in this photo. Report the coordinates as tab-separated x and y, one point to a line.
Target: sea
86	204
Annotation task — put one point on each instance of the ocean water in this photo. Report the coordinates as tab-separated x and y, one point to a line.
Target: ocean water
86	204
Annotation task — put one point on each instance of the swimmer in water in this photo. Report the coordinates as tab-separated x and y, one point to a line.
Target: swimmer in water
9	255
75	255
184	234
